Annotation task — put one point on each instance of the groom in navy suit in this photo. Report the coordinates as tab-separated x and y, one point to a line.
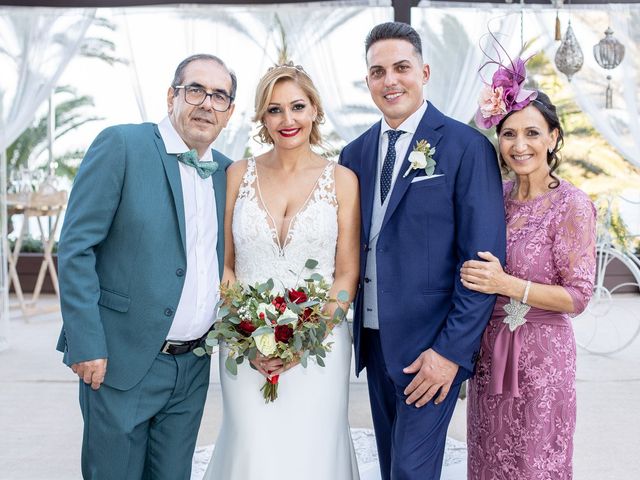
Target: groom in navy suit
417	329
140	257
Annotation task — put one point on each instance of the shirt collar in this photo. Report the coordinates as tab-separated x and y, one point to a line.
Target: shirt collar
410	125
174	144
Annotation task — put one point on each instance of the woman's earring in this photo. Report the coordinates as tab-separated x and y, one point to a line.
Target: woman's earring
550	149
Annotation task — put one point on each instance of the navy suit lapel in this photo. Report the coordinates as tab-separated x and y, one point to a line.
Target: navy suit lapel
368	175
172	171
219	180
427	130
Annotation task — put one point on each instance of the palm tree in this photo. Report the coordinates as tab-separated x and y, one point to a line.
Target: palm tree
70	111
69	114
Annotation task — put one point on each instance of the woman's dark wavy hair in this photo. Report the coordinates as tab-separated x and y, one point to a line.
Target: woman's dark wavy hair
548	110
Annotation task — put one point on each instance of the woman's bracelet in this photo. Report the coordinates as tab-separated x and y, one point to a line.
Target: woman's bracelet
525	297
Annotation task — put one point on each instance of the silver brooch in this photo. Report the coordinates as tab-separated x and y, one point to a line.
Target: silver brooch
516	311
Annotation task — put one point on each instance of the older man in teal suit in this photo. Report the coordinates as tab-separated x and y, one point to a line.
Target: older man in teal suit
140	257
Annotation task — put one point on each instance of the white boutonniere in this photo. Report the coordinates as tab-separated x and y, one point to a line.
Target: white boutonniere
422	158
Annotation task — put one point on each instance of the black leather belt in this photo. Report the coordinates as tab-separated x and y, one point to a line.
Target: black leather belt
175	347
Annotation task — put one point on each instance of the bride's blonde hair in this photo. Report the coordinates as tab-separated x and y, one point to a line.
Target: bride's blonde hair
280	73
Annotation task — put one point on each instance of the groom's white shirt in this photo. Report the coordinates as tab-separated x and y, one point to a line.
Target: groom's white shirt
410	125
196	310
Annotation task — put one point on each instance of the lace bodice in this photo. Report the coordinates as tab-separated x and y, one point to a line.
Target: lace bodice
551	240
313	233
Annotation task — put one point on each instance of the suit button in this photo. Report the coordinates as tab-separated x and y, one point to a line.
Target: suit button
367	280
168	312
180	272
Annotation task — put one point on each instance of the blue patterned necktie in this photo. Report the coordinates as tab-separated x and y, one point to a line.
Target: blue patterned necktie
389	160
204	169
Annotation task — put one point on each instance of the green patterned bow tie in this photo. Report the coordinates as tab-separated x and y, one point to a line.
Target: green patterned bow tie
204	169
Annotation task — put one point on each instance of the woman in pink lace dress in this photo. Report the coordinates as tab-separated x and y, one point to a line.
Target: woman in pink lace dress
522	400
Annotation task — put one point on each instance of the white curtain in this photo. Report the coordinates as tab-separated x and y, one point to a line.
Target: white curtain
313	34
620	126
35	46
451	37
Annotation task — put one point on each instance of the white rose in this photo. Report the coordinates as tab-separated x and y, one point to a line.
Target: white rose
289	314
418	160
266	307
266	343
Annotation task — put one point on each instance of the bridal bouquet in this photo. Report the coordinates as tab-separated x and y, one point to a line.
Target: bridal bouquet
289	325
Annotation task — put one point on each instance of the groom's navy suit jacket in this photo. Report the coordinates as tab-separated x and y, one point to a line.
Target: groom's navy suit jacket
122	252
430	228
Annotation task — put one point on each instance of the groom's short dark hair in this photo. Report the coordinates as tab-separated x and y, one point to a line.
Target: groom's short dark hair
394	31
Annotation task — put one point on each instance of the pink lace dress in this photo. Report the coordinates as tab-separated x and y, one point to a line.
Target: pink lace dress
522	399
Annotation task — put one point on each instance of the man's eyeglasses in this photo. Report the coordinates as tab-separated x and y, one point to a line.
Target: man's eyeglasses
195	95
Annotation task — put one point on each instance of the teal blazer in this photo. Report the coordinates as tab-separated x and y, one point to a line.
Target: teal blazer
121	255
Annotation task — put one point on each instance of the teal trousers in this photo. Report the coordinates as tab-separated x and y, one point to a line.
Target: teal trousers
148	432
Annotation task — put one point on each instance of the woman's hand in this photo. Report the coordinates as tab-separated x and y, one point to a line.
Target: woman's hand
286	366
268	366
484	276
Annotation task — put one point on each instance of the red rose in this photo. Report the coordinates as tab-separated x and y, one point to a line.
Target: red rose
279	302
306	315
297	296
283	333
245	327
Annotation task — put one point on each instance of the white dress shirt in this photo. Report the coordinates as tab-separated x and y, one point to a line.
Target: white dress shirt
196	310
410	125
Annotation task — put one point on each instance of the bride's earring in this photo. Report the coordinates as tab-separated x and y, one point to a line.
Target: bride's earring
550	149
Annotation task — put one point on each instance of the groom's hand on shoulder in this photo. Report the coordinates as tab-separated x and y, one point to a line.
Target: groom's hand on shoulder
433	372
92	372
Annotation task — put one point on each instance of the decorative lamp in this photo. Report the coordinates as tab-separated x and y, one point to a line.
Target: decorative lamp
569	57
609	53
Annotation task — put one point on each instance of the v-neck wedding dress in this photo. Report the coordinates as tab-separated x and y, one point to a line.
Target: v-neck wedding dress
305	433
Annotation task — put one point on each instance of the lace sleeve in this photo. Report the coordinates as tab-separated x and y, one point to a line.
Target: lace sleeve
574	249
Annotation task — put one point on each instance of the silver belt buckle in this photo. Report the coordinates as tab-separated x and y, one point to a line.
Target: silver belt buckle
167	344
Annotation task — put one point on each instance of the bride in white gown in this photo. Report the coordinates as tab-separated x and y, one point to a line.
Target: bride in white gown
284	207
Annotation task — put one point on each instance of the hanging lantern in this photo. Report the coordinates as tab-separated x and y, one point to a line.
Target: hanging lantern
609	53
569	58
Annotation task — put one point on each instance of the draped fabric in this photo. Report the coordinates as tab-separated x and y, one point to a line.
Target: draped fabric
36	44
620	126
451	38
304	33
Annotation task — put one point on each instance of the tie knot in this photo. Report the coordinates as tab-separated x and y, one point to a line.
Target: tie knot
394	135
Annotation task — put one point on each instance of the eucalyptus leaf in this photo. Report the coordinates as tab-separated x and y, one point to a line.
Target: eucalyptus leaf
223	311
320	361
199	351
287	320
308	303
234	319
252	353
303	358
311	264
297	343
270	284
212	342
338	315
316	277
262	331
231	365
239	359
343	296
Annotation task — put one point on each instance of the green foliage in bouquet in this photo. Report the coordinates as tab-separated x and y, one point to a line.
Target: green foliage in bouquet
291	325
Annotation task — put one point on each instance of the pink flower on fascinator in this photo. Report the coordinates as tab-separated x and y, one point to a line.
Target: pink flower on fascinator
491	103
505	94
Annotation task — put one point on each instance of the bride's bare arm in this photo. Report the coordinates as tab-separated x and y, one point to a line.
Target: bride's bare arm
235	173
348	247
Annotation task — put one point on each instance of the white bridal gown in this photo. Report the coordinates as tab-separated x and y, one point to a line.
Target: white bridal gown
305	433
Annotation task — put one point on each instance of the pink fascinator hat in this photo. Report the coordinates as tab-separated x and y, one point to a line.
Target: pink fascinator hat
505	93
